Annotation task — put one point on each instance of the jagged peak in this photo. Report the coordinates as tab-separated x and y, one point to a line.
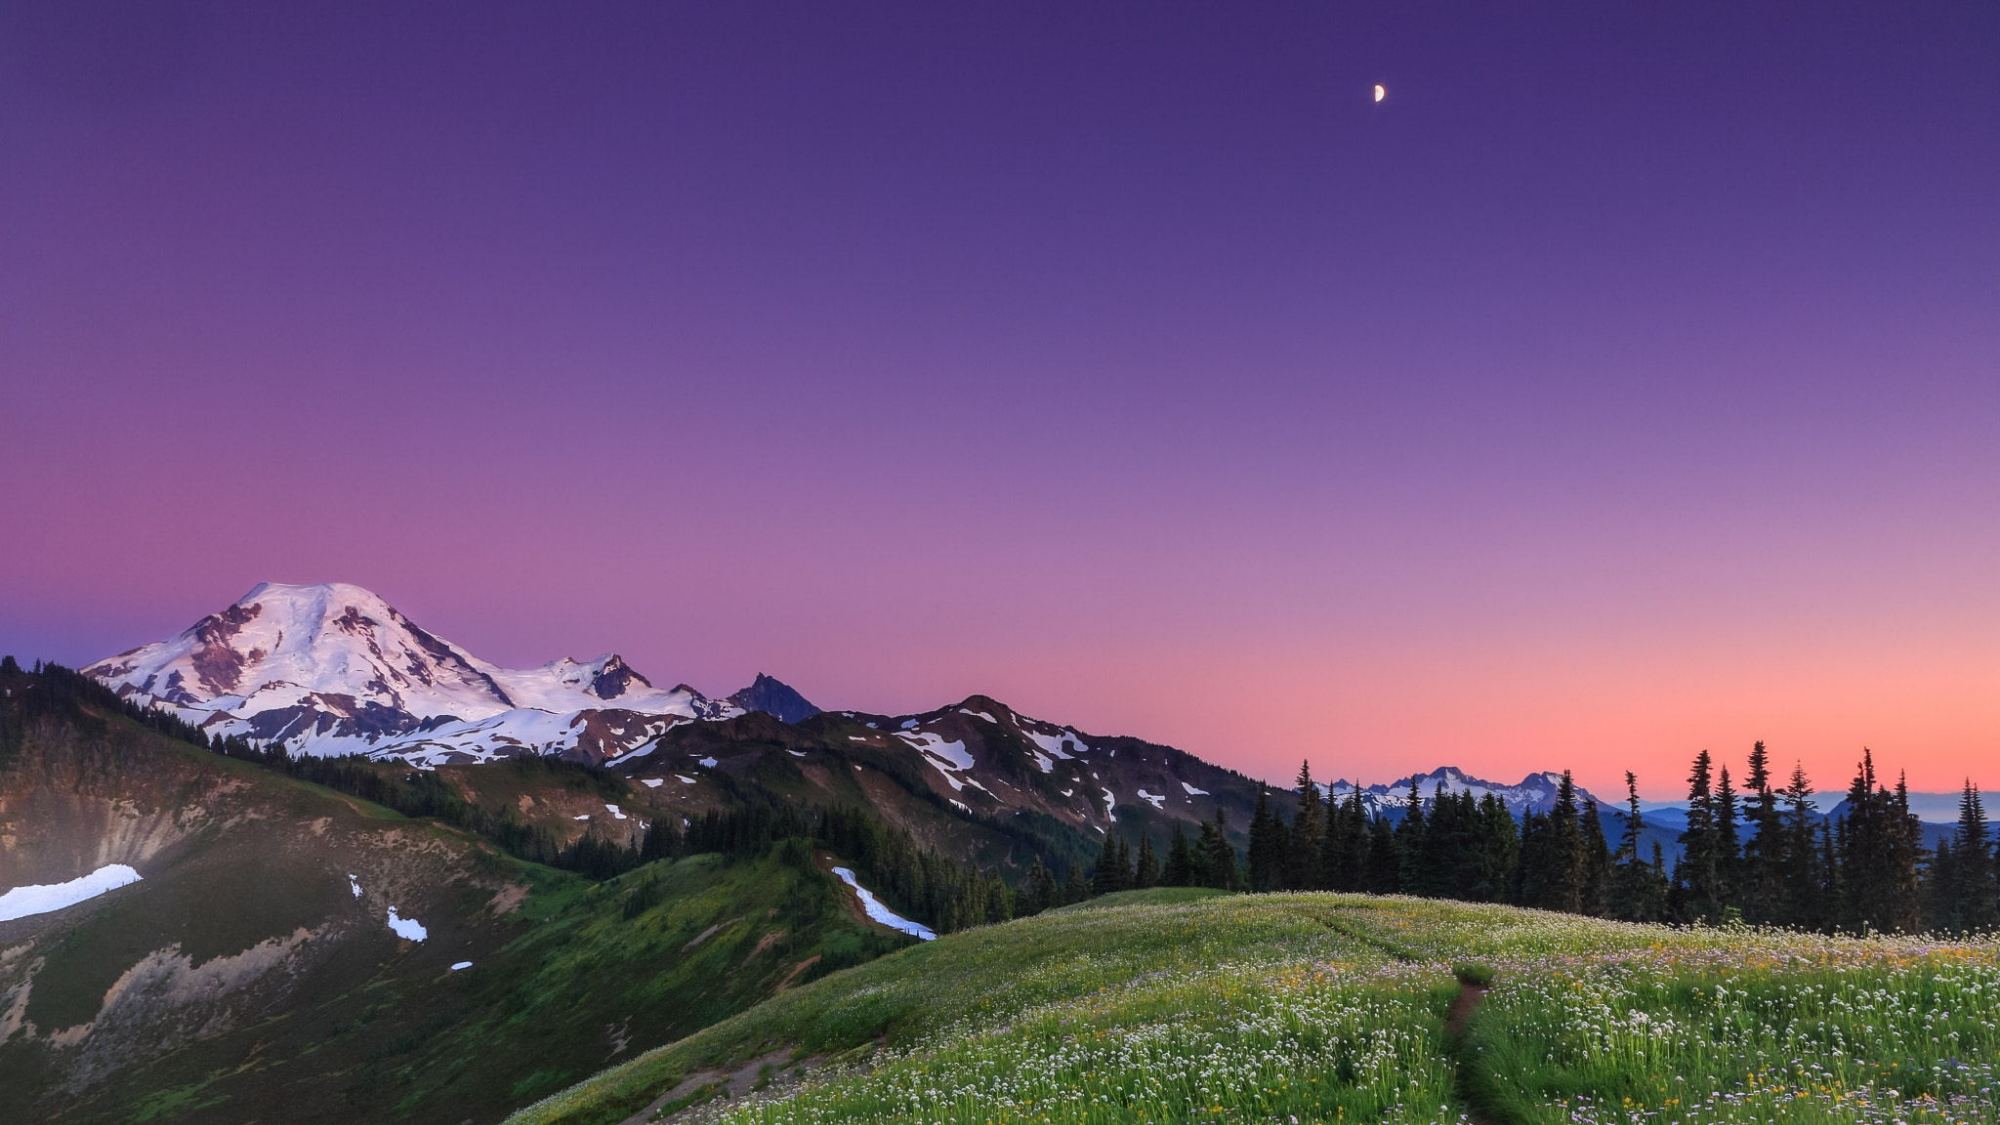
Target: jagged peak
775	697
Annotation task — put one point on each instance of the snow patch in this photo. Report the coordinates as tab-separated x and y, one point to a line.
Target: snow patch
615	814
354	884
1059	744
1158	800
1192	791
42	898
879	913
651	782
979	715
407	928
709	762
460	966
685	779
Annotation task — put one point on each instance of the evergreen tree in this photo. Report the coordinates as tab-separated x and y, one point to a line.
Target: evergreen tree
1039	891
1803	901
1881	845
1385	861
1595	886
1552	874
1941	904
1112	873
1728	844
1499	851
1696	895
1761	875
1075	888
1907	857
1179	870
1301	866
1634	895
1976	899
1215	856
1410	842
1268	855
1529	887
1344	857
1146	869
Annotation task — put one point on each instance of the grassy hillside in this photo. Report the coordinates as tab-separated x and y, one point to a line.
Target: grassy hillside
251	975
1184	1006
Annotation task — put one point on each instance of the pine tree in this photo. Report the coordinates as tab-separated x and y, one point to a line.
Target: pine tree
1529	886
1802	901
1881	844
1631	897
1300	869
1384	875
1146	870
1907	852
1075	888
1761	877
1410	842
1728	844
1941	903
1267	856
1179	870
1216	856
1344	858
1976	900
1596	870
1696	895
1567	852
1038	892
1111	873
1499	850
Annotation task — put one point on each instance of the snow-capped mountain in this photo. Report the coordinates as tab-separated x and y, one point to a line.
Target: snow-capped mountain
335	669
1535	793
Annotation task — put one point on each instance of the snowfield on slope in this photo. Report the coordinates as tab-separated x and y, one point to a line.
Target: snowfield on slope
879	913
44	898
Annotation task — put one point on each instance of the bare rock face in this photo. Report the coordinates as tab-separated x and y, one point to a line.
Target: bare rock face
776	698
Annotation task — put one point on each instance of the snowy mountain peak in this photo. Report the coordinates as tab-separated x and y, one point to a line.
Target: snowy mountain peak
280	643
334	668
1535	793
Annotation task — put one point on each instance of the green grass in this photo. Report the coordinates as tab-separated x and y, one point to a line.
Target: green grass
1167	1006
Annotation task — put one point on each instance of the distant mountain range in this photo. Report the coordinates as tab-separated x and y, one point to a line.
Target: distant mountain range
1535	792
336	670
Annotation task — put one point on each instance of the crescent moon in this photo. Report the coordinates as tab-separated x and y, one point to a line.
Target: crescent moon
1381	92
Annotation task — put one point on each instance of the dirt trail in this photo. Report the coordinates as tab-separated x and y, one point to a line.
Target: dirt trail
1457	1019
1469	997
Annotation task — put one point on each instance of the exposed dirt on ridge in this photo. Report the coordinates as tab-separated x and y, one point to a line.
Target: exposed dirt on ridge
772	1066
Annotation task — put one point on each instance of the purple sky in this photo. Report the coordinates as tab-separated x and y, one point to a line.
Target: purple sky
1627	382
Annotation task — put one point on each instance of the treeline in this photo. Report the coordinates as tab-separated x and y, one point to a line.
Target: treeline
1761	855
54	690
1766	855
